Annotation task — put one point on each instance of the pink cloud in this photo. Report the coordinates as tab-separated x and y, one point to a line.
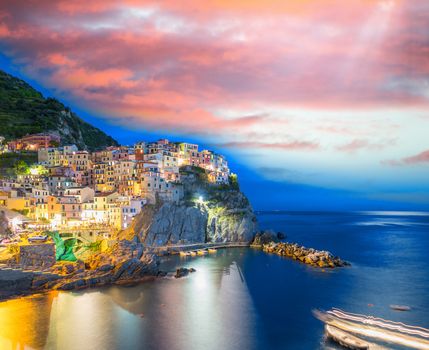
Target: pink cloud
362	144
287	146
179	65
420	158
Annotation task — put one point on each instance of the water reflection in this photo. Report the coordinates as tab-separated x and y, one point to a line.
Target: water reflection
25	323
206	310
210	309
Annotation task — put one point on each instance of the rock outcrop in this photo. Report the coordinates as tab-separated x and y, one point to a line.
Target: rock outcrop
124	263
305	255
223	215
265	237
183	271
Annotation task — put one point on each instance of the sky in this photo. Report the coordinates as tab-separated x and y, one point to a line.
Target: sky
318	104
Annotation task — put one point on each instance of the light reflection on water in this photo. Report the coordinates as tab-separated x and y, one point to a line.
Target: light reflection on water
241	298
204	311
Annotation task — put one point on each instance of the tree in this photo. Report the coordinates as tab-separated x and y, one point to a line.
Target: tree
21	168
38	169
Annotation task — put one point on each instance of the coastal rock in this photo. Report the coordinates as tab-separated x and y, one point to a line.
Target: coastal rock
281	235
43	280
310	256
183	271
14	282
122	263
264	237
224	215
173	223
179	223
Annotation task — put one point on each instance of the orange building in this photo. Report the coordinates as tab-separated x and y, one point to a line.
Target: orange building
33	142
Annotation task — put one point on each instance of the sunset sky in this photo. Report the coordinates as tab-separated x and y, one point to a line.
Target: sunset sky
318	104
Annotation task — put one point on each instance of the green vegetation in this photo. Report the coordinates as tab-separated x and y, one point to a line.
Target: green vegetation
23	110
16	163
196	184
233	181
38	169
21	168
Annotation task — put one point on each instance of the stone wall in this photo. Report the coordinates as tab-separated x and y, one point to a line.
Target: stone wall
37	255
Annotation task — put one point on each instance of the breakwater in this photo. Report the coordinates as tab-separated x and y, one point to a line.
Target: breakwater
310	256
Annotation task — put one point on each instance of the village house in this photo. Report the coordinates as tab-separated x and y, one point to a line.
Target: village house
101	192
33	142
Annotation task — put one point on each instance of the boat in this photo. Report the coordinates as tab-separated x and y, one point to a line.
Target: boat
202	252
400	307
193	253
182	253
212	250
345	339
37	238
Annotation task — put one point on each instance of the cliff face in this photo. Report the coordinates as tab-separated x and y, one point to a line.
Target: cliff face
223	215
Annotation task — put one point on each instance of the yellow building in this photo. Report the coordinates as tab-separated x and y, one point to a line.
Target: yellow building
20	203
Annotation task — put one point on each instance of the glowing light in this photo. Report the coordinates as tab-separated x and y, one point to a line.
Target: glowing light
378	328
16	222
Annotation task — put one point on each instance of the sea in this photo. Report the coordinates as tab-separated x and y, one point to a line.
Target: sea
243	298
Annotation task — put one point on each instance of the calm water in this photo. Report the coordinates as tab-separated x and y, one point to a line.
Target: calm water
242	298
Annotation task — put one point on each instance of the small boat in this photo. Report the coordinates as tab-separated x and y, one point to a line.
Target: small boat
400	307
212	250
193	253
37	238
345	339
184	253
202	252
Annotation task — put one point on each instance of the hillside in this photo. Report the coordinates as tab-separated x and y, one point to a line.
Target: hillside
24	110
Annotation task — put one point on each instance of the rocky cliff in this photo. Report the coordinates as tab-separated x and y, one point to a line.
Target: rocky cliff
208	213
123	263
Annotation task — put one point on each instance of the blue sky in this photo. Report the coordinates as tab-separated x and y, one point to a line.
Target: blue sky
264	194
317	106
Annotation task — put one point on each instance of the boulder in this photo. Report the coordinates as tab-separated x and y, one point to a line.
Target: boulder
183	271
281	235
